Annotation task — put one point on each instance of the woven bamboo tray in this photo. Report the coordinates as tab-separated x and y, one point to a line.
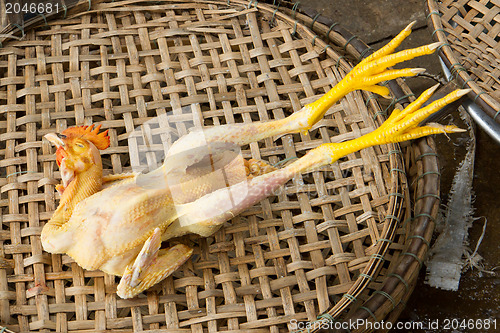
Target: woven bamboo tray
339	241
471	33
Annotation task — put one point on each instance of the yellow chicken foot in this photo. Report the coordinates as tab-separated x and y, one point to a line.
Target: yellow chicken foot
401	126
151	266
366	75
371	71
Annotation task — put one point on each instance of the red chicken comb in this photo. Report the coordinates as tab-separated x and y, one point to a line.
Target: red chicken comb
100	140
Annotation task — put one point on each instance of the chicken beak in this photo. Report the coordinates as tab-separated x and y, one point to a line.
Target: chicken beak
56	139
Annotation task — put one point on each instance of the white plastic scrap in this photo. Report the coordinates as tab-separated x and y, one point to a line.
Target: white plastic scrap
446	261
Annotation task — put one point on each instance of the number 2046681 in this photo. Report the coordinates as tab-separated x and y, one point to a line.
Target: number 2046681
478	324
32	8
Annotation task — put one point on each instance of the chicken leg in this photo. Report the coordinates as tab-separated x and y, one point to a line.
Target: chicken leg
206	214
366	75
